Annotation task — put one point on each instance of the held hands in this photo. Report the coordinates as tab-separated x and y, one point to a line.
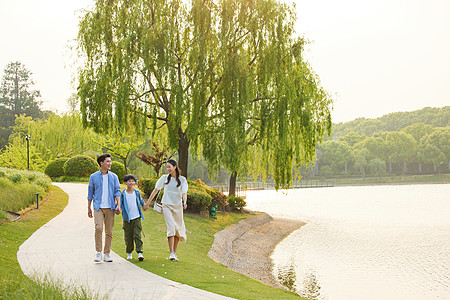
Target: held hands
89	212
184	205
117	210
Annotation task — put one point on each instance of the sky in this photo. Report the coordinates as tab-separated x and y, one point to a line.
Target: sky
373	57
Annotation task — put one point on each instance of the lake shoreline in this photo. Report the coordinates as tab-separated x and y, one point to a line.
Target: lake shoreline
246	247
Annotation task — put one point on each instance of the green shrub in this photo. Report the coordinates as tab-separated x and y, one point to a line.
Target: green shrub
236	203
198	200
55	167
16	178
147	185
218	198
118	168
80	166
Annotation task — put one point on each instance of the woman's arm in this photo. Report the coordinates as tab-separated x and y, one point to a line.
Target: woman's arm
150	199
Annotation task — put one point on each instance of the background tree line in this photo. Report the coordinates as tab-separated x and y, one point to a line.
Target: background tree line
415	142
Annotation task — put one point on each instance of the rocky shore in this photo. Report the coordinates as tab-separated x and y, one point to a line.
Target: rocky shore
246	247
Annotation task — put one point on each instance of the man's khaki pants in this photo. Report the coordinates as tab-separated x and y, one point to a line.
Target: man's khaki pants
106	216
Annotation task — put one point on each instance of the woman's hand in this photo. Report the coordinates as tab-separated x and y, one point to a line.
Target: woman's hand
184	205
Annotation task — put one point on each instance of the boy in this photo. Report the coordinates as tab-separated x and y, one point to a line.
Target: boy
131	202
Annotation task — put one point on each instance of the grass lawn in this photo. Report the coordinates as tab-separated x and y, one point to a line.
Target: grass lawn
13	283
195	268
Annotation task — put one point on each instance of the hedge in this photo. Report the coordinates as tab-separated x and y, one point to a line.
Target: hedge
55	167
118	168
80	166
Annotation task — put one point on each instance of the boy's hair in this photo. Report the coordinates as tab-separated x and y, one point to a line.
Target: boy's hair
102	158
129	177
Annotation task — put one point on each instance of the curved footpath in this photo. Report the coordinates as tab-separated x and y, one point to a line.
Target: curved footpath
63	250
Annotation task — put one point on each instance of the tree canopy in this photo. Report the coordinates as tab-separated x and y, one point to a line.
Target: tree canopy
218	74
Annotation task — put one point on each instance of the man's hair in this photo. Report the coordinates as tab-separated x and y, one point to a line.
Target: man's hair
102	158
129	177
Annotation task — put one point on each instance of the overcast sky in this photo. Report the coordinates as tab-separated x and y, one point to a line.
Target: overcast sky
373	56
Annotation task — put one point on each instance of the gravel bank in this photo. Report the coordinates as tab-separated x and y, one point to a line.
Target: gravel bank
246	247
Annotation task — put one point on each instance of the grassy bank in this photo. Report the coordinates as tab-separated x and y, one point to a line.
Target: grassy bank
13	283
195	268
19	188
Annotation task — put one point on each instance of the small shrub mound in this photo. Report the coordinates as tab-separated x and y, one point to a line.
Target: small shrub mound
236	203
118	168
80	166
55	168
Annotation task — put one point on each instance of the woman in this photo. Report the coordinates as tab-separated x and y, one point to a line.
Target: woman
174	201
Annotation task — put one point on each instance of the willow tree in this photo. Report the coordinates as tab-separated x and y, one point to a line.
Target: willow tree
217	73
272	109
150	62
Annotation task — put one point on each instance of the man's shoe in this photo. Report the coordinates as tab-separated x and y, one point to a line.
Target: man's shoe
98	257
107	258
129	256
140	256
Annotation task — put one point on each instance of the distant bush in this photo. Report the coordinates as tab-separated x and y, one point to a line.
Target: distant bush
236	203
80	166
55	167
118	168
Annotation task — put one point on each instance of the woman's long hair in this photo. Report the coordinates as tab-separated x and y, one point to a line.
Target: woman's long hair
177	171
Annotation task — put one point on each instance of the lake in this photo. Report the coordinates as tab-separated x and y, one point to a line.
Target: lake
363	242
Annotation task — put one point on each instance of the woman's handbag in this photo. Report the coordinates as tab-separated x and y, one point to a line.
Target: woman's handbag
157	206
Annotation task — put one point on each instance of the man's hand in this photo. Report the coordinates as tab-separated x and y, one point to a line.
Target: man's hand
118	210
89	212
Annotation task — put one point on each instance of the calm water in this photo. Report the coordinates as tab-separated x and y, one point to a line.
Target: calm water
373	242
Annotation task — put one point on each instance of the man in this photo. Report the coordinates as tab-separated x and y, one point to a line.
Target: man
104	191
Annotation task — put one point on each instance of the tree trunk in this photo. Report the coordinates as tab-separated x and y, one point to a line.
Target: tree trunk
183	152
125	165
232	187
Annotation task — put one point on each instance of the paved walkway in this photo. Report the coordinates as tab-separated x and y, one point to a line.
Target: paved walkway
63	249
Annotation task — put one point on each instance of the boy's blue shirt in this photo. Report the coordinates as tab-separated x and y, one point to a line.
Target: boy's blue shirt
123	205
95	188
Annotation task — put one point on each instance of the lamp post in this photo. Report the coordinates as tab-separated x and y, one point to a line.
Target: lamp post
28	150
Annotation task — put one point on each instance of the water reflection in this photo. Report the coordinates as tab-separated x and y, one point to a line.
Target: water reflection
287	278
379	242
310	288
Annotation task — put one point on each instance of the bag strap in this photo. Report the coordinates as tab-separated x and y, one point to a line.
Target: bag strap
156	198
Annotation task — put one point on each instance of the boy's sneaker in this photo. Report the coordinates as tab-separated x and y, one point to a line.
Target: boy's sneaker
140	256
129	256
107	258
98	257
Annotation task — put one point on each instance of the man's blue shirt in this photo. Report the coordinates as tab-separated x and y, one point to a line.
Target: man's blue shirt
95	189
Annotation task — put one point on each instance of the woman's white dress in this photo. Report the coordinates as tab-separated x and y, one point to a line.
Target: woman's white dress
173	205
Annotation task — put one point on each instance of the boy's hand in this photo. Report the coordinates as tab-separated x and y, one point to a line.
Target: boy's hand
117	210
89	212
